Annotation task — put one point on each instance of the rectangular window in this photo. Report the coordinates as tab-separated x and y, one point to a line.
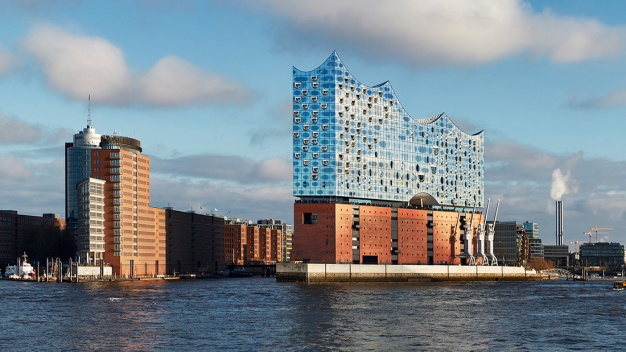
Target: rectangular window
310	218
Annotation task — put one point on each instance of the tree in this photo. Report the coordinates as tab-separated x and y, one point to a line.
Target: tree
540	264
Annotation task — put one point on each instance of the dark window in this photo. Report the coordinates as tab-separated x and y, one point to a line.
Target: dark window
310	218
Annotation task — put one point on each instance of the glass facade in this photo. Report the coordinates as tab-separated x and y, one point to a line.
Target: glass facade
356	141
602	254
78	168
531	229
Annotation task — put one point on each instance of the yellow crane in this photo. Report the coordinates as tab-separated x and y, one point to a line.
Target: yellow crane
601	233
592	231
576	245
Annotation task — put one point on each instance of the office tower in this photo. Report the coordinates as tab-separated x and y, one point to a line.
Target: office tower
78	168
134	231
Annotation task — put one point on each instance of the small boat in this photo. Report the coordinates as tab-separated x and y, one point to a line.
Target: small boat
239	271
619	285
26	270
221	273
203	273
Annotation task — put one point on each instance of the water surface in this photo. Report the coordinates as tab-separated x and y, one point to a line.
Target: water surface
259	314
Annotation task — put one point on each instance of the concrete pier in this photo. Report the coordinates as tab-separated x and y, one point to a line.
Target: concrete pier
307	272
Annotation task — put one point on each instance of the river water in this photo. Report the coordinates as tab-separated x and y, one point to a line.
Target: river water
259	314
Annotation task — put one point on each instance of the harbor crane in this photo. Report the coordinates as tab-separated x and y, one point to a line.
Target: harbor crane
467	252
491	231
481	238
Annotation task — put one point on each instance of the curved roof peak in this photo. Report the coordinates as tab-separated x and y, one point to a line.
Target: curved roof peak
334	60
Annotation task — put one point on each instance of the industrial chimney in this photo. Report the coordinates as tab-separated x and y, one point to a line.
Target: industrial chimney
559	222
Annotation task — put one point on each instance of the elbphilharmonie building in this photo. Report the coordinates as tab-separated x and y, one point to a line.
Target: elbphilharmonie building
354	142
377	186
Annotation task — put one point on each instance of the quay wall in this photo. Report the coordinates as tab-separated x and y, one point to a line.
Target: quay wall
308	272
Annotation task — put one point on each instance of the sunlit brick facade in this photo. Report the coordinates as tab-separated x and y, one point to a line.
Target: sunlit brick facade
134	231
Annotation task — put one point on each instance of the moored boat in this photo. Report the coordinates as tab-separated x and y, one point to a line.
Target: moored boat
25	271
619	285
221	273
239	271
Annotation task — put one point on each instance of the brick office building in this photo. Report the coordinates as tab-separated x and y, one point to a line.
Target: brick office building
345	233
251	243
14	225
134	231
283	242
108	204
235	243
194	241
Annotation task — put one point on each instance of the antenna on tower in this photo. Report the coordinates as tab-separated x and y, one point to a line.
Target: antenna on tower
89	119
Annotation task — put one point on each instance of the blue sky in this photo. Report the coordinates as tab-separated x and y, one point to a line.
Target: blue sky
206	87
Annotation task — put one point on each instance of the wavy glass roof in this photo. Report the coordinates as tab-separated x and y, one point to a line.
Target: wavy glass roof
351	140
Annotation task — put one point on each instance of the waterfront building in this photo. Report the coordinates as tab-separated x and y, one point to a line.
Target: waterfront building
374	184
559	255
353	233
535	244
78	168
536	247
252	238
249	243
134	231
14	226
283	243
90	226
194	242
107	189
603	254
505	241
356	141
235	242
531	229
523	245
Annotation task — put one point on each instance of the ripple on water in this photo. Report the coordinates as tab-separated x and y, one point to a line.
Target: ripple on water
260	314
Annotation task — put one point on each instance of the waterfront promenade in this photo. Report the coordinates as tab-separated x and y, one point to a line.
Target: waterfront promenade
312	272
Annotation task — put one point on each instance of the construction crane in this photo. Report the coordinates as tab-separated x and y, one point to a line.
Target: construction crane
601	233
576	245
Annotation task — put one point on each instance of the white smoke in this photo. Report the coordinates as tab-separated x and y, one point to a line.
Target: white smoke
562	184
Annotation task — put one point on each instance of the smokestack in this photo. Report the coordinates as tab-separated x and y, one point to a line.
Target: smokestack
559	223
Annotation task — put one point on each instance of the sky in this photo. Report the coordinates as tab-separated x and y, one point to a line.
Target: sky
206	87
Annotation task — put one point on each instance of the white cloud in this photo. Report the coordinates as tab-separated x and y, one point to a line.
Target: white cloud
225	167
16	131
443	33
249	202
612	99
32	187
13	168
525	189
7	61
78	66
